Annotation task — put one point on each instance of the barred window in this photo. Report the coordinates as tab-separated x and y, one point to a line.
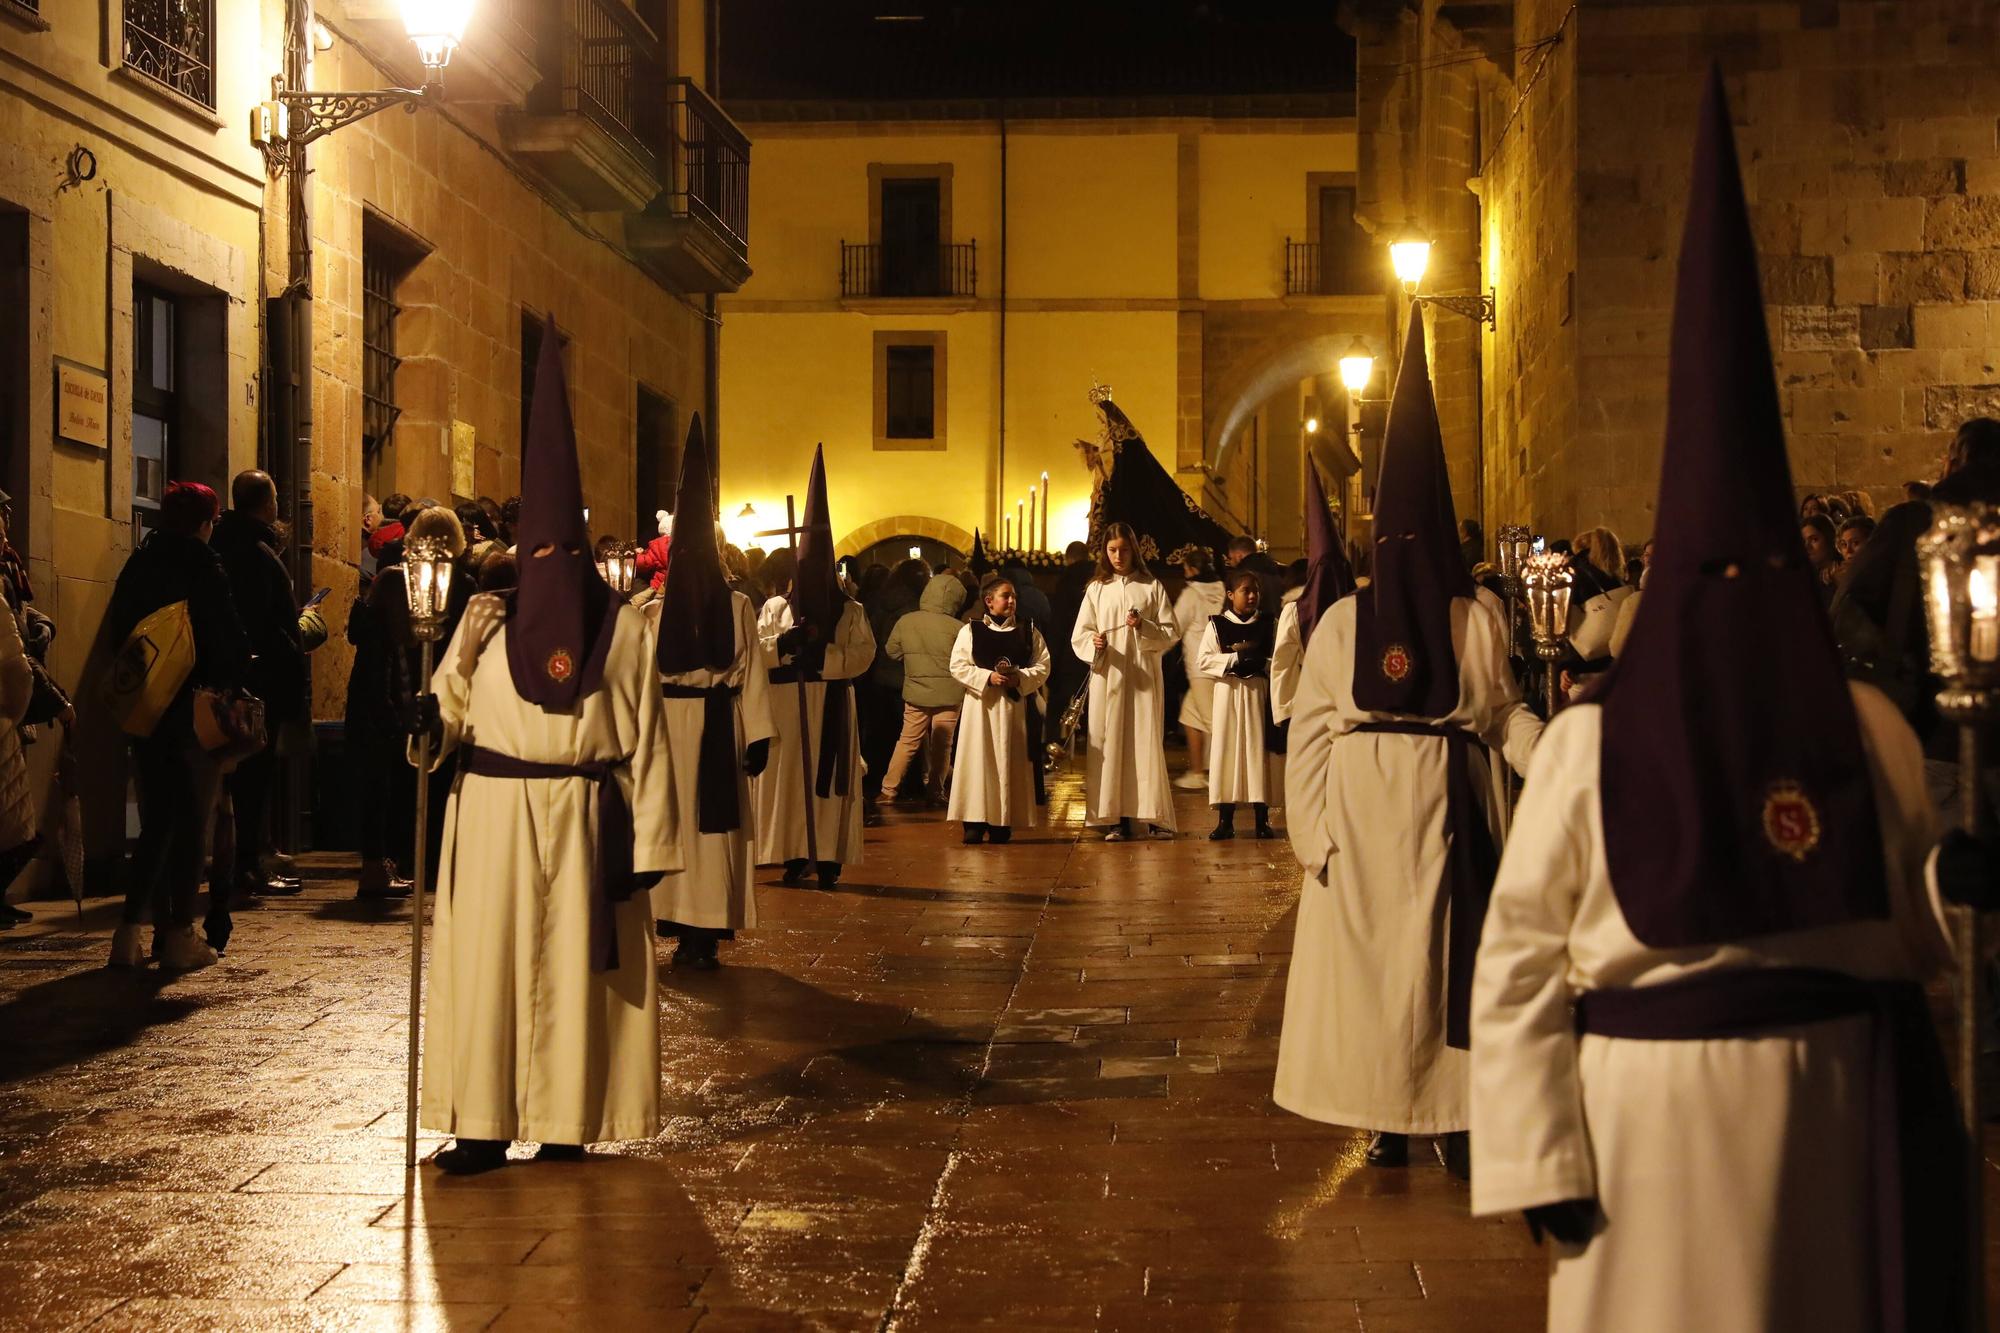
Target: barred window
388	254
172	42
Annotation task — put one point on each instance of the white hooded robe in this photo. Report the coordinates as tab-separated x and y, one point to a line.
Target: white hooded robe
781	794
993	774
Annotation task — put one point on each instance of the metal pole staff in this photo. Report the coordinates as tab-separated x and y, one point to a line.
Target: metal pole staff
1972	709
420	858
790	532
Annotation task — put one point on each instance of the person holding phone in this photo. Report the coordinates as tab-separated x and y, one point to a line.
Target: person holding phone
247	539
1002	662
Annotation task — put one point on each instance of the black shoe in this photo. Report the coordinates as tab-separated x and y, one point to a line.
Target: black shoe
1264	830
975	834
1454	1151
696	960
272	886
1221	833
829	874
1225	824
1389	1150
11	915
795	873
470	1157
999	833
558	1152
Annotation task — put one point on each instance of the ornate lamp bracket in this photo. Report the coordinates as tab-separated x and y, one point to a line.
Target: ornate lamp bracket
1480	307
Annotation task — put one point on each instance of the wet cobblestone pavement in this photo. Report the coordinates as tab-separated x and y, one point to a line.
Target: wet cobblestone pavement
1016	1088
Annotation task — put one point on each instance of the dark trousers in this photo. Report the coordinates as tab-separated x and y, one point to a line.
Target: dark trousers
178	786
250	793
385	802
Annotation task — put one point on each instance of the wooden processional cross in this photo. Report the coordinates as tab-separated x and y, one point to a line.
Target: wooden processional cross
791	532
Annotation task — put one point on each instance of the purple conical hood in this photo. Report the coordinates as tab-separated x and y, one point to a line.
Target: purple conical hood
560	626
1328	575
1736	795
697	624
1404	661
816	597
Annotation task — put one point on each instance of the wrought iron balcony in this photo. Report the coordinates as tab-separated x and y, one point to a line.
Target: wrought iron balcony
1312	269
172	42
696	234
595	121
890	271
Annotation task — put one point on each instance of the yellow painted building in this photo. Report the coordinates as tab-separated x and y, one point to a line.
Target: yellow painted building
146	251
935	297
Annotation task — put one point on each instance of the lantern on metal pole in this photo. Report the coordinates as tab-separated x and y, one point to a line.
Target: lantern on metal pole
1546	580
618	565
1515	543
1959	560
427	569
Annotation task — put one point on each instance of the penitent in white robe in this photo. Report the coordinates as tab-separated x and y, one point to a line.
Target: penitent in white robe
714	889
1240	769
1731	1173
522	1039
1363	1041
1125	769
781	795
993	774
1287	657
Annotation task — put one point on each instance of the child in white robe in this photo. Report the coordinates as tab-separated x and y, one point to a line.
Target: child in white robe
1123	627
1001	662
1236	655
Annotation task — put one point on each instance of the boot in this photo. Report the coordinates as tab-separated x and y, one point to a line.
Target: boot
125	947
180	951
469	1157
1264	829
795	872
378	880
975	833
1454	1150
998	834
829	874
1389	1150
1225	824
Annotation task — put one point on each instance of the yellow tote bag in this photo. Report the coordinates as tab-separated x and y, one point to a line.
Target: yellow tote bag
151	668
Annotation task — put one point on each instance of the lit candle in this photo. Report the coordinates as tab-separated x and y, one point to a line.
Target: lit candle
1982	589
1006	527
1028	540
1044	543
1020	528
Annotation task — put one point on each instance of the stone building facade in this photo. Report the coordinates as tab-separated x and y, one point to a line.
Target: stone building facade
1179	252
144	238
1546	146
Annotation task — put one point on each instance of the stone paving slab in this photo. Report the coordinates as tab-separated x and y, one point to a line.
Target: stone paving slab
973	1088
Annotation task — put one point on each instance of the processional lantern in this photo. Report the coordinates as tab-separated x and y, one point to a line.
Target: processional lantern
1546	583
618	563
427	571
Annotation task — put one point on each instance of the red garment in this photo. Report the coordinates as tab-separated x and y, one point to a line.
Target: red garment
653	560
391	531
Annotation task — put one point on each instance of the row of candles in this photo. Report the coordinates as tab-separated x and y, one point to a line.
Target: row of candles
1019	530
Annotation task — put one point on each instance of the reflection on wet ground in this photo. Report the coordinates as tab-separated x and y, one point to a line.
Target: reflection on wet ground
1020	1088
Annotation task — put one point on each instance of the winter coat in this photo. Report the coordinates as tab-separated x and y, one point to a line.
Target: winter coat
922	642
388	669
169	568
270	614
17	801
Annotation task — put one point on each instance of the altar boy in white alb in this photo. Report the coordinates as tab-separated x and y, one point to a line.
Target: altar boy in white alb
542	1024
1702	1059
1236	655
715	700
1001	662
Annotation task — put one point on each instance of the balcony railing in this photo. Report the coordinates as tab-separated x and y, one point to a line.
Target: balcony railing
891	270
711	165
172	42
1311	269
601	62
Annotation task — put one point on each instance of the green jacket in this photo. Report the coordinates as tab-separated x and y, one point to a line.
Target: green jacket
922	642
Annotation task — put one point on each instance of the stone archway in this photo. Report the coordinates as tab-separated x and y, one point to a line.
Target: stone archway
904	525
1257	380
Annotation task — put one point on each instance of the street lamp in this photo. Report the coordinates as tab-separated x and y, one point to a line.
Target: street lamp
299	116
427	568
1547	581
1410	256
1959	560
1357	366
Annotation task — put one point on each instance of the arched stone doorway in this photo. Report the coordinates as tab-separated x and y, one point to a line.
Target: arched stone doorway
895	535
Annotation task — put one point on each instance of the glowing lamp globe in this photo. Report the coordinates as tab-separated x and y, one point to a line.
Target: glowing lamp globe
437	27
1357	367
1410	255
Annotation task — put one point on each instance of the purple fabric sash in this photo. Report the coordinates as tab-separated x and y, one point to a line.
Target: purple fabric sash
611	876
716	797
1917	1166
1471	861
